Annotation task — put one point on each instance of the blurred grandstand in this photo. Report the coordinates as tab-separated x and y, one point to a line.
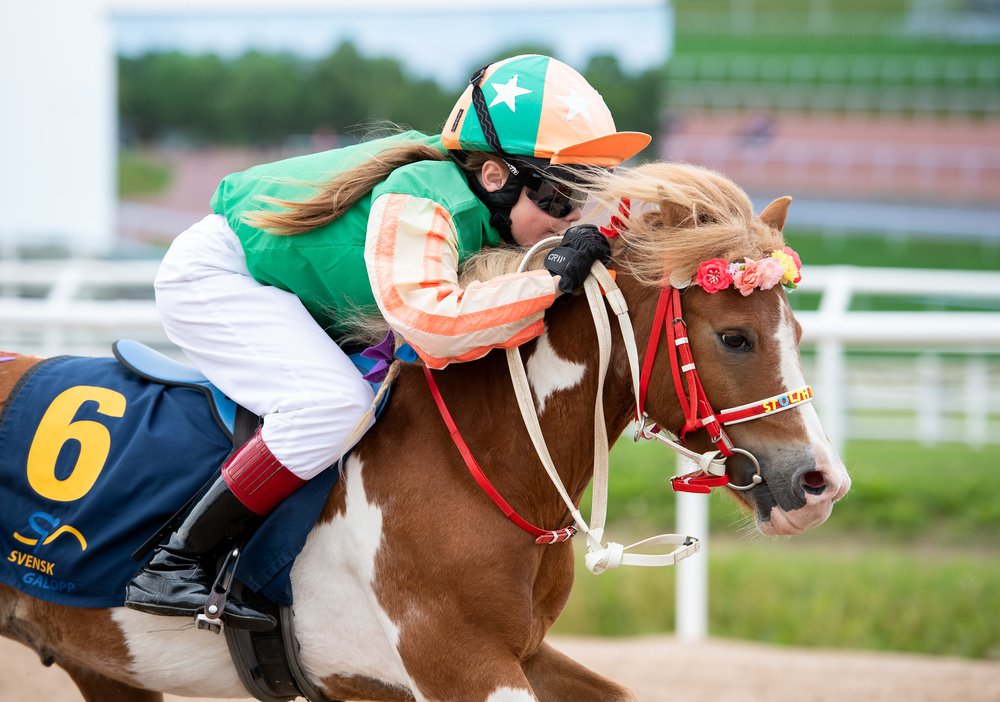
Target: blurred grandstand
884	100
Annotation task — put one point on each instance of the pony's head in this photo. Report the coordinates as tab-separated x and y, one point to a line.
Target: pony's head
744	337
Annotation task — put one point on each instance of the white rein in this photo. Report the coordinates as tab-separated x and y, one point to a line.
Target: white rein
601	556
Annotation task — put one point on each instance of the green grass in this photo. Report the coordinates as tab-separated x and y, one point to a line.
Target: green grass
851	596
902	493
885	250
140	174
908	561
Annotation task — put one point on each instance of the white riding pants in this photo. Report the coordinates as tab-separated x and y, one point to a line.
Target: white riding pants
261	347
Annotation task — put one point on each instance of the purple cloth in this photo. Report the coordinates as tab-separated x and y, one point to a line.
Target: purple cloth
7	358
382	353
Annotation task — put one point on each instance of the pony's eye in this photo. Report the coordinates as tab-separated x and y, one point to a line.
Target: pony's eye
736	341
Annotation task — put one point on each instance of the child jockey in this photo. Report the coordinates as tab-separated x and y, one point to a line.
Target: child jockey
257	293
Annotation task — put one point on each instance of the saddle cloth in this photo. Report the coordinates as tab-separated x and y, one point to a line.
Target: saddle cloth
95	459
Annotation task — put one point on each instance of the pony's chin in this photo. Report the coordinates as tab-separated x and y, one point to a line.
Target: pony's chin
780	523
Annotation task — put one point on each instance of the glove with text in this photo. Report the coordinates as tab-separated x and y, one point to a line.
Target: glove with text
571	260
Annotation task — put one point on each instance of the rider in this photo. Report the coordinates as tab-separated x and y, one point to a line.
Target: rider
258	293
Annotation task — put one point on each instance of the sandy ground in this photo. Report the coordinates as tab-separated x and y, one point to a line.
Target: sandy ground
662	668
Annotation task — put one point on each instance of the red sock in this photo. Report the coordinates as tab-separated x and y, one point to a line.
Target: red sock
257	478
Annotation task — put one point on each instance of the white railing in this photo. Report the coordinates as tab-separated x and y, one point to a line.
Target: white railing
936	377
975	336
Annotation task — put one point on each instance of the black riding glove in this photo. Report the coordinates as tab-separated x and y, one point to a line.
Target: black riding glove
572	259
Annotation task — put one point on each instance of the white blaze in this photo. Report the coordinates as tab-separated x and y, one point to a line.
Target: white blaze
792	378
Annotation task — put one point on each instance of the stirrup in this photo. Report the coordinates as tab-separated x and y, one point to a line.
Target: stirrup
211	617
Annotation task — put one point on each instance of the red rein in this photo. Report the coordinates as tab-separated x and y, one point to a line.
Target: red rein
542	536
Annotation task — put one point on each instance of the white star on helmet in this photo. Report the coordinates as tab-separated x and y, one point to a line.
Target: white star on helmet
577	104
507	93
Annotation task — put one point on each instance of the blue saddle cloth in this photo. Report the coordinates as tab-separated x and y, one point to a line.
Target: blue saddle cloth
94	459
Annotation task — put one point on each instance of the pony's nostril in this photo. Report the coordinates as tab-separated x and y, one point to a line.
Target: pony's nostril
813	482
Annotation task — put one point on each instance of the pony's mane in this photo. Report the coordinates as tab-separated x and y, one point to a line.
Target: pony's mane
681	215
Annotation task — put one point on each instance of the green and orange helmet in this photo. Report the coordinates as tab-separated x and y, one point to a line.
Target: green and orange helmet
539	109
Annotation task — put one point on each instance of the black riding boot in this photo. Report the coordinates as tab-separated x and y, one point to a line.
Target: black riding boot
179	578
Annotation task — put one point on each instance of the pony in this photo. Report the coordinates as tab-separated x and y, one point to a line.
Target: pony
413	585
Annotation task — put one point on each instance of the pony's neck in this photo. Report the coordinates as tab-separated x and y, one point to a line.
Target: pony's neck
563	369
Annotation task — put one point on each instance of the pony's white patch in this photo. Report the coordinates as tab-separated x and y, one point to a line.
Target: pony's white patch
790	368
549	373
511	694
339	623
170	655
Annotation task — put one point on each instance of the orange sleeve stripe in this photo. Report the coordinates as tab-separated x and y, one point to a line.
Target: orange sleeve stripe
443	325
530	332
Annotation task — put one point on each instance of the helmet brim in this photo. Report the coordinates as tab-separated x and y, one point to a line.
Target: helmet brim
607	151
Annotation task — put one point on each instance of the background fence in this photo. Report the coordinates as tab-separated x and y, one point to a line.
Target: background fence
925	375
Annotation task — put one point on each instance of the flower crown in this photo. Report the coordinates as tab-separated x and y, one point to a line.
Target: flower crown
783	266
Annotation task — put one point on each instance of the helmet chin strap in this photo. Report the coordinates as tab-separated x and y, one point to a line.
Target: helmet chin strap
499	202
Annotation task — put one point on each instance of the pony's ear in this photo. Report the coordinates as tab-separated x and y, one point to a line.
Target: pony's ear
674	216
774	214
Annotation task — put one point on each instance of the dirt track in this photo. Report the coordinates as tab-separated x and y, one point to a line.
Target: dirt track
660	669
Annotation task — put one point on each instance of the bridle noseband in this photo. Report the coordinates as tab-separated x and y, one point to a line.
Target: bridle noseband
698	412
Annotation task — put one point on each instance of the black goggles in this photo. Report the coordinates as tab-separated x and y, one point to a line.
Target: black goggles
555	199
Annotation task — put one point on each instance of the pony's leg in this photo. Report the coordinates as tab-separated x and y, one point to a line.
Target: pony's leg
466	672
97	688
555	676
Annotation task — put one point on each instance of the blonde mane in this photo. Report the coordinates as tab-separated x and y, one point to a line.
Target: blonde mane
683	215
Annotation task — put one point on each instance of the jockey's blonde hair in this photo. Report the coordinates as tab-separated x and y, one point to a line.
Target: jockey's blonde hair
335	196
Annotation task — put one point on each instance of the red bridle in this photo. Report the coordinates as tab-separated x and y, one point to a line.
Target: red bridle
698	412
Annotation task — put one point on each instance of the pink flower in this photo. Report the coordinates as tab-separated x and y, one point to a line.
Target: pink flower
747	278
770	271
713	275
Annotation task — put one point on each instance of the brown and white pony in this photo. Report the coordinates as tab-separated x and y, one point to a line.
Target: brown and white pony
413	585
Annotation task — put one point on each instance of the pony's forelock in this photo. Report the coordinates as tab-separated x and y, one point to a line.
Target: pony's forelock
681	215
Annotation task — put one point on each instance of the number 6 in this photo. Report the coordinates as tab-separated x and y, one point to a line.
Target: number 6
57	427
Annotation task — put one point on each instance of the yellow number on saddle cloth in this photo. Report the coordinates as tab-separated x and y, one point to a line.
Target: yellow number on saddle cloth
57	427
